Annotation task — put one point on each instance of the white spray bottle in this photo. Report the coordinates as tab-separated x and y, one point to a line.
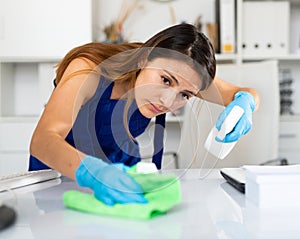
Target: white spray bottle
220	149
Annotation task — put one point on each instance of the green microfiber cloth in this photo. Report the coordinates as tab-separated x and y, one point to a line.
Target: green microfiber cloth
161	190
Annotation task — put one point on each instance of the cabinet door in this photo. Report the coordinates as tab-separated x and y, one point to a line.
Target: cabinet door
14	146
13	162
289	141
34	28
15	136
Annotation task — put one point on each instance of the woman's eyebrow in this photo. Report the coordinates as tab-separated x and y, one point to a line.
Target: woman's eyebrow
172	76
177	82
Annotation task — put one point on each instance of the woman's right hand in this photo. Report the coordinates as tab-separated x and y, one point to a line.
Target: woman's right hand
110	182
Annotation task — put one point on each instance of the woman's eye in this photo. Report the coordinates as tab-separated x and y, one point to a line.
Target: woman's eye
185	96
166	81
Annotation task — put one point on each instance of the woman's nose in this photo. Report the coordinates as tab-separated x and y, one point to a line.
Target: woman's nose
168	97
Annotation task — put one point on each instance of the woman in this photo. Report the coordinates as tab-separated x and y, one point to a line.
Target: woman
105	96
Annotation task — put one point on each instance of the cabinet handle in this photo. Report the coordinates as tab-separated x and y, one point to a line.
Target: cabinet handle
2	28
288	136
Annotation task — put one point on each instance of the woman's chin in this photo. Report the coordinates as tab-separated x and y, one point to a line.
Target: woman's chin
146	112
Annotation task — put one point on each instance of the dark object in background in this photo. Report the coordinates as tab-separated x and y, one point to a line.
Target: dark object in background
286	92
7	216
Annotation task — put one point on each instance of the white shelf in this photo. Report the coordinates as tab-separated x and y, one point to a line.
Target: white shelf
290	57
290	118
226	57
25	88
29	119
30	59
292	1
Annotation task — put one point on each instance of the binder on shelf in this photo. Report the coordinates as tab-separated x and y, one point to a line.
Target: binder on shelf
266	34
225	18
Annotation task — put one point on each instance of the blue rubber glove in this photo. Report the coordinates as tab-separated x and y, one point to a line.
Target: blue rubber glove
247	102
110	182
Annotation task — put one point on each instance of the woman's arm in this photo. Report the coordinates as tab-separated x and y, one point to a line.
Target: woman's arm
222	92
48	141
110	183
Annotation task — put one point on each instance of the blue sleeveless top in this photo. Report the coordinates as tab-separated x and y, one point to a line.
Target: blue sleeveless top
99	130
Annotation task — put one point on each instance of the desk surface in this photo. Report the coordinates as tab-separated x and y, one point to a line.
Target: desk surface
210	209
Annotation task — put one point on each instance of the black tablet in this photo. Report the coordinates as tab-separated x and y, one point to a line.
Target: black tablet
235	177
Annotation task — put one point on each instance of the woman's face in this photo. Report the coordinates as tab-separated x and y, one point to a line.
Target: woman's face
165	85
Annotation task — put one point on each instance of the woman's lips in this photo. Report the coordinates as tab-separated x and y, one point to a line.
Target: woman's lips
155	109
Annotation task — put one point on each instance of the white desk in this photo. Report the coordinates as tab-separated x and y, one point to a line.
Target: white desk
210	209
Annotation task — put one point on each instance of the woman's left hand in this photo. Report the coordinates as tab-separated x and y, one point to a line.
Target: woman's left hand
247	102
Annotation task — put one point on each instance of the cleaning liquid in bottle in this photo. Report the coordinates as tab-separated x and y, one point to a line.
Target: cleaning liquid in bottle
221	149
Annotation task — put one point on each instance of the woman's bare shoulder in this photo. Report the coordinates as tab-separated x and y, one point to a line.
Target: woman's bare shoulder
77	65
80	74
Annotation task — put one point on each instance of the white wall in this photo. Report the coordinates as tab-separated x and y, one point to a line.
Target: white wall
45	29
149	16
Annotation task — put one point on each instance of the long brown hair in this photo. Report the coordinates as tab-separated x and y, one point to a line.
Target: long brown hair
181	38
96	52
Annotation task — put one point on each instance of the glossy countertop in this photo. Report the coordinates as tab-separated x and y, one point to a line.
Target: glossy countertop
210	208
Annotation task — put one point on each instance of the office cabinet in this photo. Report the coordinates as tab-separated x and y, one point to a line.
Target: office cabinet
283	34
14	144
287	53
289	140
34	36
